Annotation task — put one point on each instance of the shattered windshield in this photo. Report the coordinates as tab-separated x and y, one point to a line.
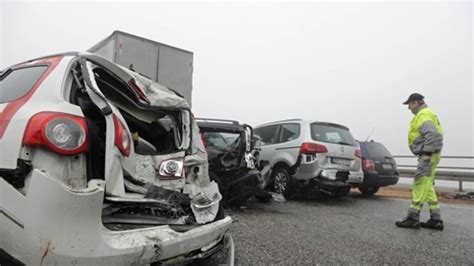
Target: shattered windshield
222	141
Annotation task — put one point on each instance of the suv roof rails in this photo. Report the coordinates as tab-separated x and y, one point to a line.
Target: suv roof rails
214	120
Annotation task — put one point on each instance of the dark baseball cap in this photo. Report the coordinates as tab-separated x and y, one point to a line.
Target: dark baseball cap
414	97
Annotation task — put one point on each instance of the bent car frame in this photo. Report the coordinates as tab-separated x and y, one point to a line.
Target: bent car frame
233	158
101	165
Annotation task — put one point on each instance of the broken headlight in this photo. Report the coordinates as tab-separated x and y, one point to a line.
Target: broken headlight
172	169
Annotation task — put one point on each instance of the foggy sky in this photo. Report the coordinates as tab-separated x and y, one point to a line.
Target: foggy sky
349	63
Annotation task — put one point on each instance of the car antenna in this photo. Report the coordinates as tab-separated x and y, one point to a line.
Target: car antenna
370	134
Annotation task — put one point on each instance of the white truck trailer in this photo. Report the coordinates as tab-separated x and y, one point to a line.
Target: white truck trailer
165	64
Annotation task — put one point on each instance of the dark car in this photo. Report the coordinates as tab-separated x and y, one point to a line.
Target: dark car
379	166
233	159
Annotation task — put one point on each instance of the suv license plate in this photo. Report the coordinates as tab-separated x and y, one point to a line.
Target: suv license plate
341	161
387	166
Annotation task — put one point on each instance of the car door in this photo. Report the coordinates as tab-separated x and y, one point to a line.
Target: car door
287	146
268	137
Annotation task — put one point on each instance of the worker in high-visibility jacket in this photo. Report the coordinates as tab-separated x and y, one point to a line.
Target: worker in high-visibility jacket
425	138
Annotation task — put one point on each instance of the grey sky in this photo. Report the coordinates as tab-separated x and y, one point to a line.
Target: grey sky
350	63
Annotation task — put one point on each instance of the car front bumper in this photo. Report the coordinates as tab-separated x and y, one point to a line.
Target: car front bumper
52	224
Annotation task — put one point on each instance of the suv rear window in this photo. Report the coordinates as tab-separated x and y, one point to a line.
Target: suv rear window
18	82
331	134
376	150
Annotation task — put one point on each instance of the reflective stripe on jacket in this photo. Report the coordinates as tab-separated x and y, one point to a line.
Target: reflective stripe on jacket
425	134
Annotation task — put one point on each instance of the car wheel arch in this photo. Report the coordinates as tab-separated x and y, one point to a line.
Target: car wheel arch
280	165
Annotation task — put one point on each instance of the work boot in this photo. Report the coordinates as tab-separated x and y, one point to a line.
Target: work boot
433	224
408	223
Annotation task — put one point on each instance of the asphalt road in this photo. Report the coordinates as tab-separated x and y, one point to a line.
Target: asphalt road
350	230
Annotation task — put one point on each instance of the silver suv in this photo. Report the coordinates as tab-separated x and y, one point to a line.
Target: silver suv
311	154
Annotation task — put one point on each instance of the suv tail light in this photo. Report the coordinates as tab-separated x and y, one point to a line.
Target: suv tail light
368	165
62	133
171	169
312	148
122	137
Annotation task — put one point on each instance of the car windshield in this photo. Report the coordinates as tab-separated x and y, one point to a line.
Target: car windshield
222	140
331	134
377	150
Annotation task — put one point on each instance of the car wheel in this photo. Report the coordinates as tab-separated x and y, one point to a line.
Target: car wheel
368	190
282	182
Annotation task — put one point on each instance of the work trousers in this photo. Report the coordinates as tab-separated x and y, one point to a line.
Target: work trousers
423	189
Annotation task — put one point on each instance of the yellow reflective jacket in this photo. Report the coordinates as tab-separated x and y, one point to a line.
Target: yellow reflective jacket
425	135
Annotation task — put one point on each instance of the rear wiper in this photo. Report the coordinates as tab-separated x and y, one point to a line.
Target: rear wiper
5	73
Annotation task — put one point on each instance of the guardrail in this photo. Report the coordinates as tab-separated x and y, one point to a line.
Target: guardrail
449	173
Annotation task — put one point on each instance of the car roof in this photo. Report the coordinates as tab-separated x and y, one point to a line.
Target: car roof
217	125
281	121
302	121
47	56
369	141
365	148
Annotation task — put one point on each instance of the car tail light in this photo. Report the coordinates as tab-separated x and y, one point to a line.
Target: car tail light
368	165
171	169
62	133
122	137
312	148
358	153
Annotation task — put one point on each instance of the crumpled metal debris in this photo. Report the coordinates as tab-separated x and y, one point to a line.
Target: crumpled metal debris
277	197
464	196
171	196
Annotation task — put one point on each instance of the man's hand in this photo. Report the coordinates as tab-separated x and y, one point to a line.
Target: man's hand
425	157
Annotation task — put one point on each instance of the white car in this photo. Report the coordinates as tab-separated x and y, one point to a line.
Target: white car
305	153
99	165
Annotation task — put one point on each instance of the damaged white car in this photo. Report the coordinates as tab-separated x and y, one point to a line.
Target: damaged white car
99	165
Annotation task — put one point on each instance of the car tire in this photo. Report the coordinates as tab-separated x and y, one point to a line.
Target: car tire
282	182
369	191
